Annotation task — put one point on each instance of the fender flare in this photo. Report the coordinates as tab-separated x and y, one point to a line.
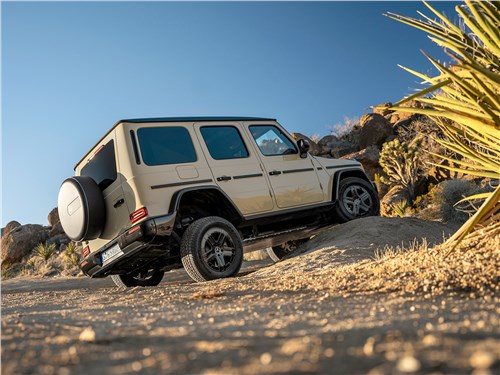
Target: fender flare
354	172
177	198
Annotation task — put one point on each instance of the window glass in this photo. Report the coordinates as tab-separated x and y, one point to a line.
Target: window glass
102	166
271	140
224	142
167	145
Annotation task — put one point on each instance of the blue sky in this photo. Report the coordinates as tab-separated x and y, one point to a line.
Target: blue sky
70	70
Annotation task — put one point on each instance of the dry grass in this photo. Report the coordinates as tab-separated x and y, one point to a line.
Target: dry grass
474	267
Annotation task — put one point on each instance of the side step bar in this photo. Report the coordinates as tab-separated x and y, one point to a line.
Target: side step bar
278	238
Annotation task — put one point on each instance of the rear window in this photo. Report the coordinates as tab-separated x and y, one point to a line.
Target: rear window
168	145
102	166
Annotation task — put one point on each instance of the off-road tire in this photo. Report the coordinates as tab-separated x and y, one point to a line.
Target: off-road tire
357	198
277	253
206	246
127	281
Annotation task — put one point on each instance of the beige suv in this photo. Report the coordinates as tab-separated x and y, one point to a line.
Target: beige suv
161	193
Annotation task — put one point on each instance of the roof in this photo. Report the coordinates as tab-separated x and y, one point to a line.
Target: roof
201	118
176	119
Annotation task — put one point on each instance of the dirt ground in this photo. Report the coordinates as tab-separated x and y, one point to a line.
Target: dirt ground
253	323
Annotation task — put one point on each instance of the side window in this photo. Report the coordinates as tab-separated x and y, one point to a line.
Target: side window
166	145
102	166
271	140
224	142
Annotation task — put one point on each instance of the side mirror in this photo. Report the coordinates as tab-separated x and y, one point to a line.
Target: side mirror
303	147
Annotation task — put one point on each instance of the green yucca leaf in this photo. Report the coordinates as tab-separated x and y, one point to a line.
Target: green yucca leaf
489	204
443	19
474	197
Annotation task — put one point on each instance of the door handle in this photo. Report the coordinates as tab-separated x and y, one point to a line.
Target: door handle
274	173
223	178
119	202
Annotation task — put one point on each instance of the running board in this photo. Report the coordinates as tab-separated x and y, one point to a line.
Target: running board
278	238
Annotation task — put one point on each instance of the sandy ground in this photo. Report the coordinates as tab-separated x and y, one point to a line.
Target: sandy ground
252	324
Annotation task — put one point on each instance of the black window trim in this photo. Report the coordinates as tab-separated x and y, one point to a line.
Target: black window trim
136	149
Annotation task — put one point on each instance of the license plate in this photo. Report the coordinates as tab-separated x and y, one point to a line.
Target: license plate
111	253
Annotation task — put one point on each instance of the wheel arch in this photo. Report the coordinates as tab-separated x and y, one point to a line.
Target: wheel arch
211	199
345	173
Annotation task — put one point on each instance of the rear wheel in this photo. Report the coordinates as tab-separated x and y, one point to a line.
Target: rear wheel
211	249
276	253
357	198
150	277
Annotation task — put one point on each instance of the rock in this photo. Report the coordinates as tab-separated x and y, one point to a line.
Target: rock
314	149
21	241
60	241
11	225
383	109
53	217
482	360
328	141
341	148
368	157
374	130
87	335
395	194
56	230
408	364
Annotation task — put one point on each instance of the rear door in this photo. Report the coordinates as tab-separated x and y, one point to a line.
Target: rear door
102	167
293	179
235	167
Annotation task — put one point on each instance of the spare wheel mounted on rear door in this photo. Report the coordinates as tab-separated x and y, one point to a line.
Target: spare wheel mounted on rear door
81	208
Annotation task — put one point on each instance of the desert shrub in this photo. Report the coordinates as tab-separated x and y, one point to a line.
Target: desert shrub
45	251
7	272
401	208
401	164
447	194
342	129
315	138
464	102
71	255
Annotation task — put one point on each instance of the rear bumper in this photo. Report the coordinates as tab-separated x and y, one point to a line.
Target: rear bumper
131	242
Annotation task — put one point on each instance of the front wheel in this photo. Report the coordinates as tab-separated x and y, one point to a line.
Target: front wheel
142	278
357	198
211	249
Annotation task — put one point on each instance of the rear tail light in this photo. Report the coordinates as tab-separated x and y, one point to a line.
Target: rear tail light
86	251
139	214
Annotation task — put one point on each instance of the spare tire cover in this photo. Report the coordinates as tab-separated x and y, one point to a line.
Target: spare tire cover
81	208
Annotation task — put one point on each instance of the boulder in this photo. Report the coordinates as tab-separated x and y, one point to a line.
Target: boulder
21	241
374	130
53	217
60	241
342	148
368	157
314	149
11	225
328	141
395	194
383	109
56	230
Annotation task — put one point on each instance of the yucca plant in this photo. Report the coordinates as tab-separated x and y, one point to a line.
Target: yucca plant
45	251
465	97
72	255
